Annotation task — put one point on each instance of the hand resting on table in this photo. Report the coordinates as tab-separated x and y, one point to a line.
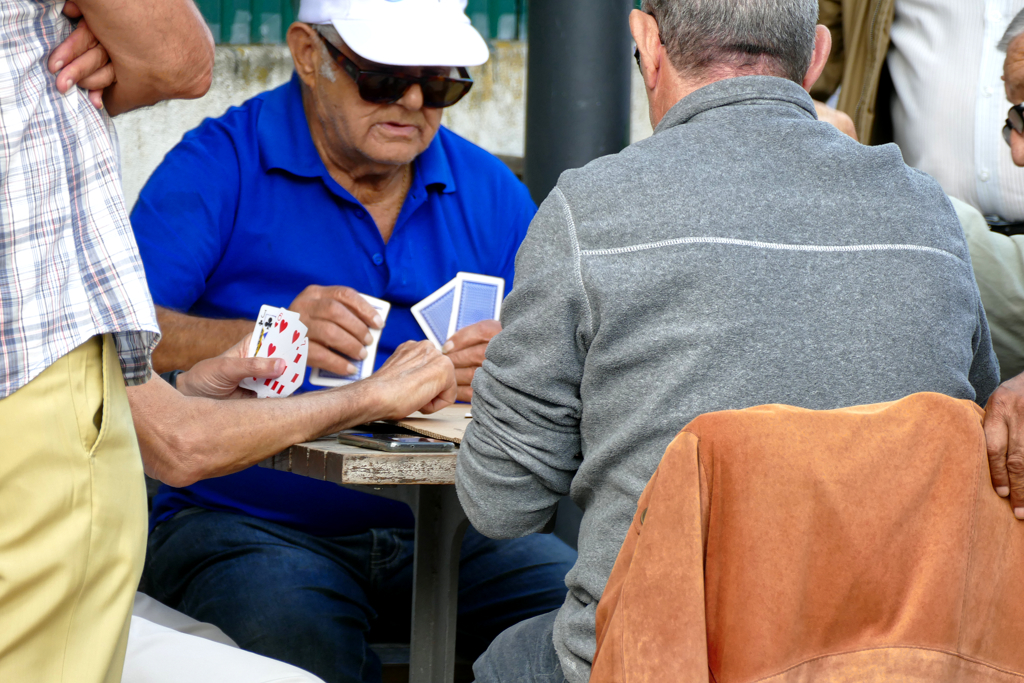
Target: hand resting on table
187	438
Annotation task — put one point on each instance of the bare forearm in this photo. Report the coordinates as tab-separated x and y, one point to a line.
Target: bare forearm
184	440
160	49
189	339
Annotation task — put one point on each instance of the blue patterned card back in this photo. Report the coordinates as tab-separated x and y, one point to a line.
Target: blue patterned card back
439	313
478	301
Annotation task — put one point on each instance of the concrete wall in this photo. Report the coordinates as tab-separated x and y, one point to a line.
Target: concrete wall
492	115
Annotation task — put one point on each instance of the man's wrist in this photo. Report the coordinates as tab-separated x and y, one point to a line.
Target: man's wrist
363	401
371	400
172	377
183	383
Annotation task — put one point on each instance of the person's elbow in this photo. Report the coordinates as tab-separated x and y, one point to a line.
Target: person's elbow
194	73
174	451
180	70
506	526
499	516
174	458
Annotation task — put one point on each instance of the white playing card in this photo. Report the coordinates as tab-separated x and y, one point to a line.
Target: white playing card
477	298
264	324
434	314
264	321
286	332
292	377
295	373
282	335
364	368
290	333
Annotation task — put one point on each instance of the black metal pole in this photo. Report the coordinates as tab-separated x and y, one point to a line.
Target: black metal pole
578	85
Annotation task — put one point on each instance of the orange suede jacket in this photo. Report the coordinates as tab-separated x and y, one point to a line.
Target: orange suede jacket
781	544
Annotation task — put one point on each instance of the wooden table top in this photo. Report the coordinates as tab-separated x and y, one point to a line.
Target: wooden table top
328	460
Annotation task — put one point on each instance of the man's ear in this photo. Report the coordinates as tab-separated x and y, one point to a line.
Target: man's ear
822	49
648	39
306	53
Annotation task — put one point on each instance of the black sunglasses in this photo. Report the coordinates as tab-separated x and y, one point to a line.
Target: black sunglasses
1014	121
381	87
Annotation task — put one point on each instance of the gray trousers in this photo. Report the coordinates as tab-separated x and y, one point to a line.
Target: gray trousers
524	653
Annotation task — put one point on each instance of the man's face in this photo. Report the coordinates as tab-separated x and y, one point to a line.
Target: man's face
359	131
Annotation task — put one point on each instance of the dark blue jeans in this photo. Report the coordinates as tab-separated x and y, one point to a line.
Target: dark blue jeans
316	602
524	653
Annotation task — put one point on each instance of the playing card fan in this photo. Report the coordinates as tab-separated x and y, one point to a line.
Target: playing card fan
278	334
468	299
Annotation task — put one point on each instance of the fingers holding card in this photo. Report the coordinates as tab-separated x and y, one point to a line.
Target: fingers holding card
467	299
364	367
278	334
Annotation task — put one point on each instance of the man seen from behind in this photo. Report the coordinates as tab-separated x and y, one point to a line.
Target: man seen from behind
745	254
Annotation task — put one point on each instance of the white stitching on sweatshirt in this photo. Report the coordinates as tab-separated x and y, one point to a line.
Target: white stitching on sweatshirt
768	245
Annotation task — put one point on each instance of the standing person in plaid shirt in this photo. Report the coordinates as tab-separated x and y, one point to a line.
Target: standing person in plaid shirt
76	325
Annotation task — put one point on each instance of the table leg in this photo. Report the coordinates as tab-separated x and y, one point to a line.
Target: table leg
440	526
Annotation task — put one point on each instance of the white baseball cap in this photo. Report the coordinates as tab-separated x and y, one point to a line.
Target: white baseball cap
402	32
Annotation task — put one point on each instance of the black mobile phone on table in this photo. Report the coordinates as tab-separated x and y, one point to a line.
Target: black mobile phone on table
395	443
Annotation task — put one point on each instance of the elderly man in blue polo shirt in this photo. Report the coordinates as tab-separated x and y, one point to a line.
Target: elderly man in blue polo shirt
340	182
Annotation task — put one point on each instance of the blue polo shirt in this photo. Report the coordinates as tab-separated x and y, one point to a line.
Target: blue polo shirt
242	212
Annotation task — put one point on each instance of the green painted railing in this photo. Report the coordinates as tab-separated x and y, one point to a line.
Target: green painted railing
240	22
499	19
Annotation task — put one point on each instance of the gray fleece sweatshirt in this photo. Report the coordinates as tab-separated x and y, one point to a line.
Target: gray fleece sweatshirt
745	254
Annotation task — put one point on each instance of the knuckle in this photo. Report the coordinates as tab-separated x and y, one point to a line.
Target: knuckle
998	398
994	442
1015	464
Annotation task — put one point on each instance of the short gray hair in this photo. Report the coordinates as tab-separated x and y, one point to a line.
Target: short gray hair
772	37
329	33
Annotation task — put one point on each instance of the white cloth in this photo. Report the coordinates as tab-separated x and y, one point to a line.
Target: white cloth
166	646
950	106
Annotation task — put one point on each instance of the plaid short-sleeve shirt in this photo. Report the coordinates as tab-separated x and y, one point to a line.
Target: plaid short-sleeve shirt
69	266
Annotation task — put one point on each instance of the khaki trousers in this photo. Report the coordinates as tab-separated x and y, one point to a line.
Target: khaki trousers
72	521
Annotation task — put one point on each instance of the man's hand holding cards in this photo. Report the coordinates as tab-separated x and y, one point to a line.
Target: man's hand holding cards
362	367
278	334
342	325
461	318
